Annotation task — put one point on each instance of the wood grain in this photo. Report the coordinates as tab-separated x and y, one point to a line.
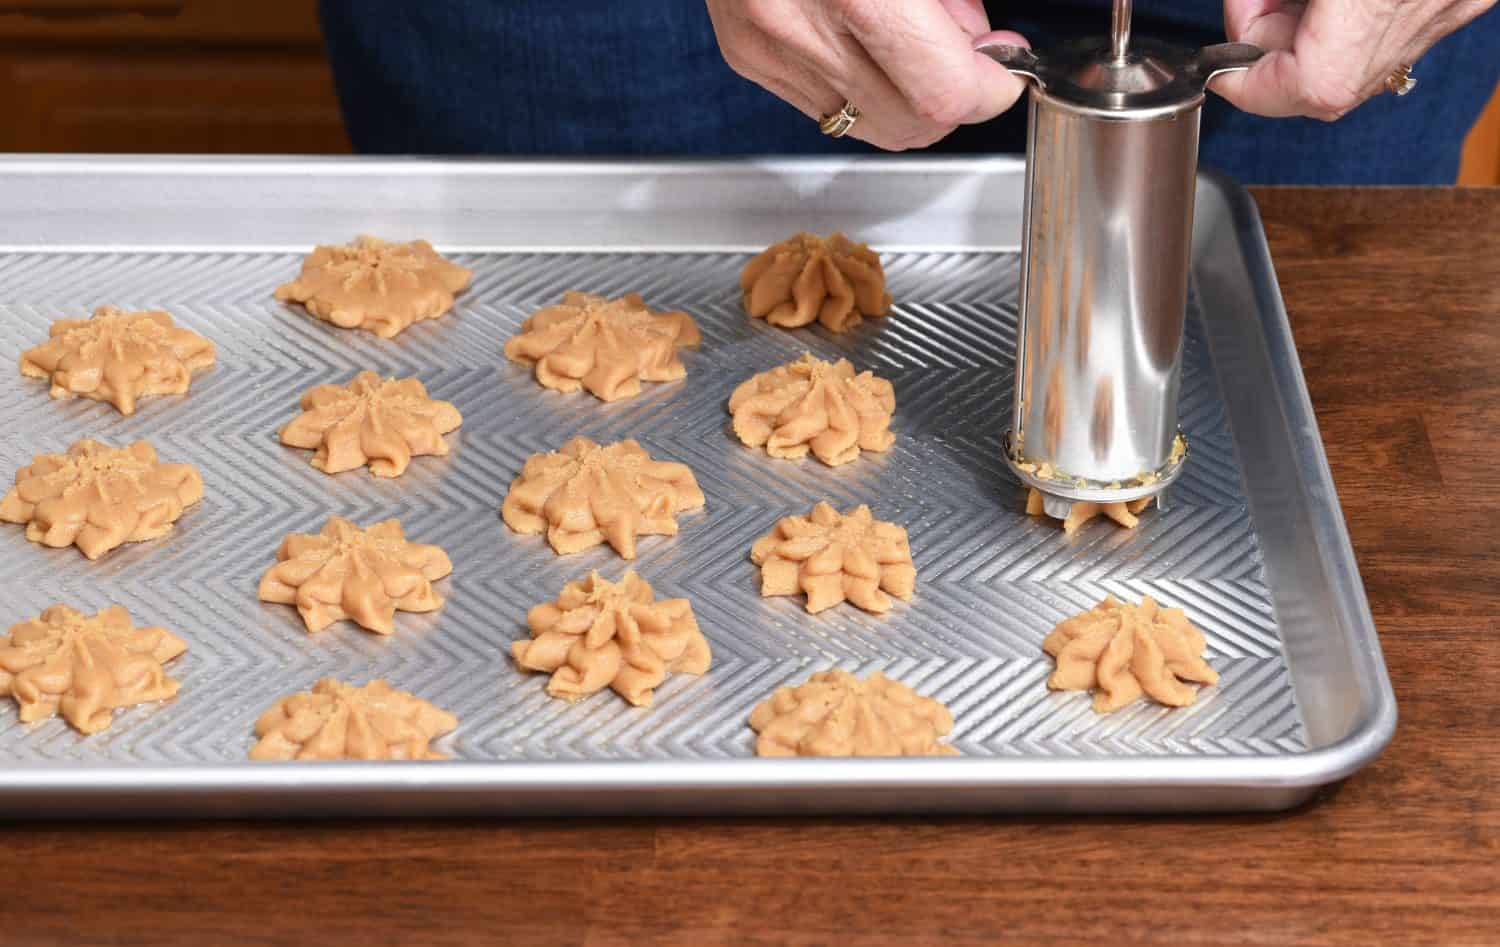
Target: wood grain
1395	301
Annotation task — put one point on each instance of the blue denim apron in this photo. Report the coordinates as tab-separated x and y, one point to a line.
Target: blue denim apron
644	77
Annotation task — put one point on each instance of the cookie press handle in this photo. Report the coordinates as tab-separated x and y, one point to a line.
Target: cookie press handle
1018	60
1225	57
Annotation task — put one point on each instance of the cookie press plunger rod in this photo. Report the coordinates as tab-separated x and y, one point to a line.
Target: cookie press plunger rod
1112	155
1119	31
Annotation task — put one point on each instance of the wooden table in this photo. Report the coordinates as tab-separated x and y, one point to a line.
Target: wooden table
1395	299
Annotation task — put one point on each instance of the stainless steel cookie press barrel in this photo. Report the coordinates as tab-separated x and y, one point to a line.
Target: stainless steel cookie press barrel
1112	156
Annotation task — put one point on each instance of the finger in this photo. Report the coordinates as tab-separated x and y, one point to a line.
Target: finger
970	15
887	120
1269	88
753	54
931	61
1269	24
1002	38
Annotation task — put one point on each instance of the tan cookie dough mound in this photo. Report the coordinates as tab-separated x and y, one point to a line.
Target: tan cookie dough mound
1121	651
382	423
612	634
376	285
97	497
85	666
364	575
607	346
585	494
1081	512
118	356
335	721
835	557
837	714
836	281
813	405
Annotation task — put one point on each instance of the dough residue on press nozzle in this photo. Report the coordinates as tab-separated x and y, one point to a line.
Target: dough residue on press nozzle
814	405
605	346
836	714
834	557
337	721
85	666
118	356
1121	651
1082	511
376	285
832	280
584	494
602	634
364	575
97	497
382	423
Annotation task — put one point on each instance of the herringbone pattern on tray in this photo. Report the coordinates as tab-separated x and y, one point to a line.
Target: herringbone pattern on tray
991	581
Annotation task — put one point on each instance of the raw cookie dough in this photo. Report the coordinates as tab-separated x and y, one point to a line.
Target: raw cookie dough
585	494
1081	512
97	497
118	356
835	557
607	346
85	665
612	634
376	285
812	404
836	714
1120	651
364	575
834	280
380	422
335	721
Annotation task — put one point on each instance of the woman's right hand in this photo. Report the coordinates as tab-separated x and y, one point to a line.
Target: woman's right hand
909	66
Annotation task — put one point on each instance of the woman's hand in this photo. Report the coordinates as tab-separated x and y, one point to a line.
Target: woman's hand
909	66
1324	57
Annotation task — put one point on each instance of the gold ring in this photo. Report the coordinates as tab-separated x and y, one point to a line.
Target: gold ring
838	124
1401	81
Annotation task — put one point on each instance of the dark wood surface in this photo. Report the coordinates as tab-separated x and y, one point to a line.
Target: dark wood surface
166	76
1395	300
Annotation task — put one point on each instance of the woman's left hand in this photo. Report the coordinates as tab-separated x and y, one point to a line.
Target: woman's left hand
1324	57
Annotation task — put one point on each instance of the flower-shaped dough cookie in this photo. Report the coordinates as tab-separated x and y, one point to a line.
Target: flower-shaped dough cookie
836	281
607	346
118	356
380	422
1081	512
335	721
1121	651
813	405
361	574
612	634
585	494
835	557
97	497
376	285
836	714
85	666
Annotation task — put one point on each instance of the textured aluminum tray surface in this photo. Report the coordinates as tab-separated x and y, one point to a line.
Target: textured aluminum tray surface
1302	697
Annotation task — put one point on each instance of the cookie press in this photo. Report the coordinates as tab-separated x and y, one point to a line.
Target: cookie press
1112	155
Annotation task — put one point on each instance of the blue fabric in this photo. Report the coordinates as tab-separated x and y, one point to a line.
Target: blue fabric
644	77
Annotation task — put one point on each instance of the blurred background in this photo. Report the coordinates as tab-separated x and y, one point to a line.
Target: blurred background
228	76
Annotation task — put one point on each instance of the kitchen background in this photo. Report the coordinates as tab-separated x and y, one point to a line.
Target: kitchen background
236	76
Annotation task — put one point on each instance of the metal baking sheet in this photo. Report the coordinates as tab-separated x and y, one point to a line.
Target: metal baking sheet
1253	545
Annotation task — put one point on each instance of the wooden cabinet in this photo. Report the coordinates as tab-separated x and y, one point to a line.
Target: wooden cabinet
1481	164
178	76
